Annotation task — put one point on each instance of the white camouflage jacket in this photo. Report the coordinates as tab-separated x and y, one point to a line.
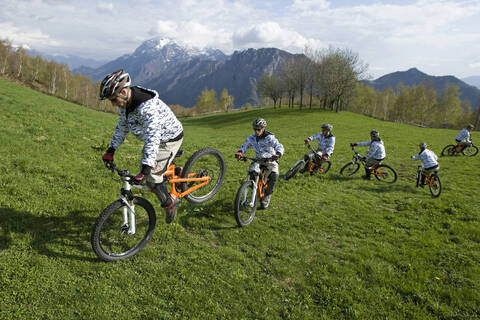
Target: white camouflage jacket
152	122
428	157
265	146
464	135
325	144
376	150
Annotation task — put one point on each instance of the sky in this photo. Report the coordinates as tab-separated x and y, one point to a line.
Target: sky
438	37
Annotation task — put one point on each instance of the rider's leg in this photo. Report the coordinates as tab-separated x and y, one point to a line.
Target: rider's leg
165	156
369	164
271	182
307	158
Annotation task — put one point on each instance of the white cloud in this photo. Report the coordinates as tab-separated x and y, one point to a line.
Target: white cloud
474	65
307	6
26	36
105	7
271	34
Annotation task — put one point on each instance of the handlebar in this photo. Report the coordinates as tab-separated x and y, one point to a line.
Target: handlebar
244	158
122	173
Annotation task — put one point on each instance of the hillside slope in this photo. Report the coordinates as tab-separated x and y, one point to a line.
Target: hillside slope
328	248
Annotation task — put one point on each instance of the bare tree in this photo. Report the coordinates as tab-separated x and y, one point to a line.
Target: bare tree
270	86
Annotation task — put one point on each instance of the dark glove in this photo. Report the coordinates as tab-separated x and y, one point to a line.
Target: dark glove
324	157
352	144
141	178
307	141
275	157
108	158
238	155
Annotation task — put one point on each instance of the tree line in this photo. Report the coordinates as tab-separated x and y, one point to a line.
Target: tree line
49	77
331	78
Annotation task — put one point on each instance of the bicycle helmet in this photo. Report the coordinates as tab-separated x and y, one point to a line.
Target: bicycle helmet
374	133
470	126
259	122
327	126
113	83
423	146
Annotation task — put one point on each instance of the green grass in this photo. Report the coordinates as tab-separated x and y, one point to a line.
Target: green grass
327	248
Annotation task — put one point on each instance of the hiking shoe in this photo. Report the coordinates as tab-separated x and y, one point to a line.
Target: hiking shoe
265	202
171	210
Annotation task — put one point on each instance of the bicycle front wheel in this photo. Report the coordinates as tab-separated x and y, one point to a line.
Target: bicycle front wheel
323	167
385	173
435	185
349	169
245	204
205	162
111	239
448	150
470	151
300	164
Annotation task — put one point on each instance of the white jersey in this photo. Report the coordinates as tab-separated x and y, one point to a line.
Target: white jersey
265	146
325	144
376	150
153	122
428	157
464	136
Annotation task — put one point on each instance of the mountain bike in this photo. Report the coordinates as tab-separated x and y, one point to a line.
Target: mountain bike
382	172
251	190
127	224
318	165
451	150
432	180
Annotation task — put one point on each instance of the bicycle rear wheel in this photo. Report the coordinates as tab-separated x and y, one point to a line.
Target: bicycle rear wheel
349	169
470	151
244	207
448	150
294	169
110	238
385	173
435	185
322	168
205	162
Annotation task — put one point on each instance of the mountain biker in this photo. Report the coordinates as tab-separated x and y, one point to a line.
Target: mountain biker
429	161
266	146
464	138
326	143
142	113
376	152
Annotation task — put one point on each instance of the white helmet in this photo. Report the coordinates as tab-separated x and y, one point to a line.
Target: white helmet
327	126
423	146
113	83
259	122
374	133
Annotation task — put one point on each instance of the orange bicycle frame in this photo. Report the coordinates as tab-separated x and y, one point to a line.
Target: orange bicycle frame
173	179
261	185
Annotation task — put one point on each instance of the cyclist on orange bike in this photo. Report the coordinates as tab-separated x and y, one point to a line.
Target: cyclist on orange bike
464	138
376	152
266	146
429	161
142	113
326	143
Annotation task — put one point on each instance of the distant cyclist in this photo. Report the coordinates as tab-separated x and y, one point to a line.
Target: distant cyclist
266	146
326	143
464	138
376	152
142	113
429	161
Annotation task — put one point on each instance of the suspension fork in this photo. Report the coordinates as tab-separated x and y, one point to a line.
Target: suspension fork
128	211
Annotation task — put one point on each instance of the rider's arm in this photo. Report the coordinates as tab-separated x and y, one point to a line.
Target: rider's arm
330	145
276	145
121	130
247	144
364	144
315	137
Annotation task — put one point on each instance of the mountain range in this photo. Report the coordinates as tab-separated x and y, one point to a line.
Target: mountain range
473	81
414	77
180	72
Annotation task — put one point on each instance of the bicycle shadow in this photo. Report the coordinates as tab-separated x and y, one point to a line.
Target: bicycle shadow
220	210
58	237
385	188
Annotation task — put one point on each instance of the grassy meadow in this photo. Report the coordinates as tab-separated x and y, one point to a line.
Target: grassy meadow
328	247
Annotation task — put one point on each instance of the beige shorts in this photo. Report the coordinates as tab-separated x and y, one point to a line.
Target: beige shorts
166	154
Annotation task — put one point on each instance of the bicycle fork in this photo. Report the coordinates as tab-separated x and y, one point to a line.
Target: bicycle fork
128	212
251	203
